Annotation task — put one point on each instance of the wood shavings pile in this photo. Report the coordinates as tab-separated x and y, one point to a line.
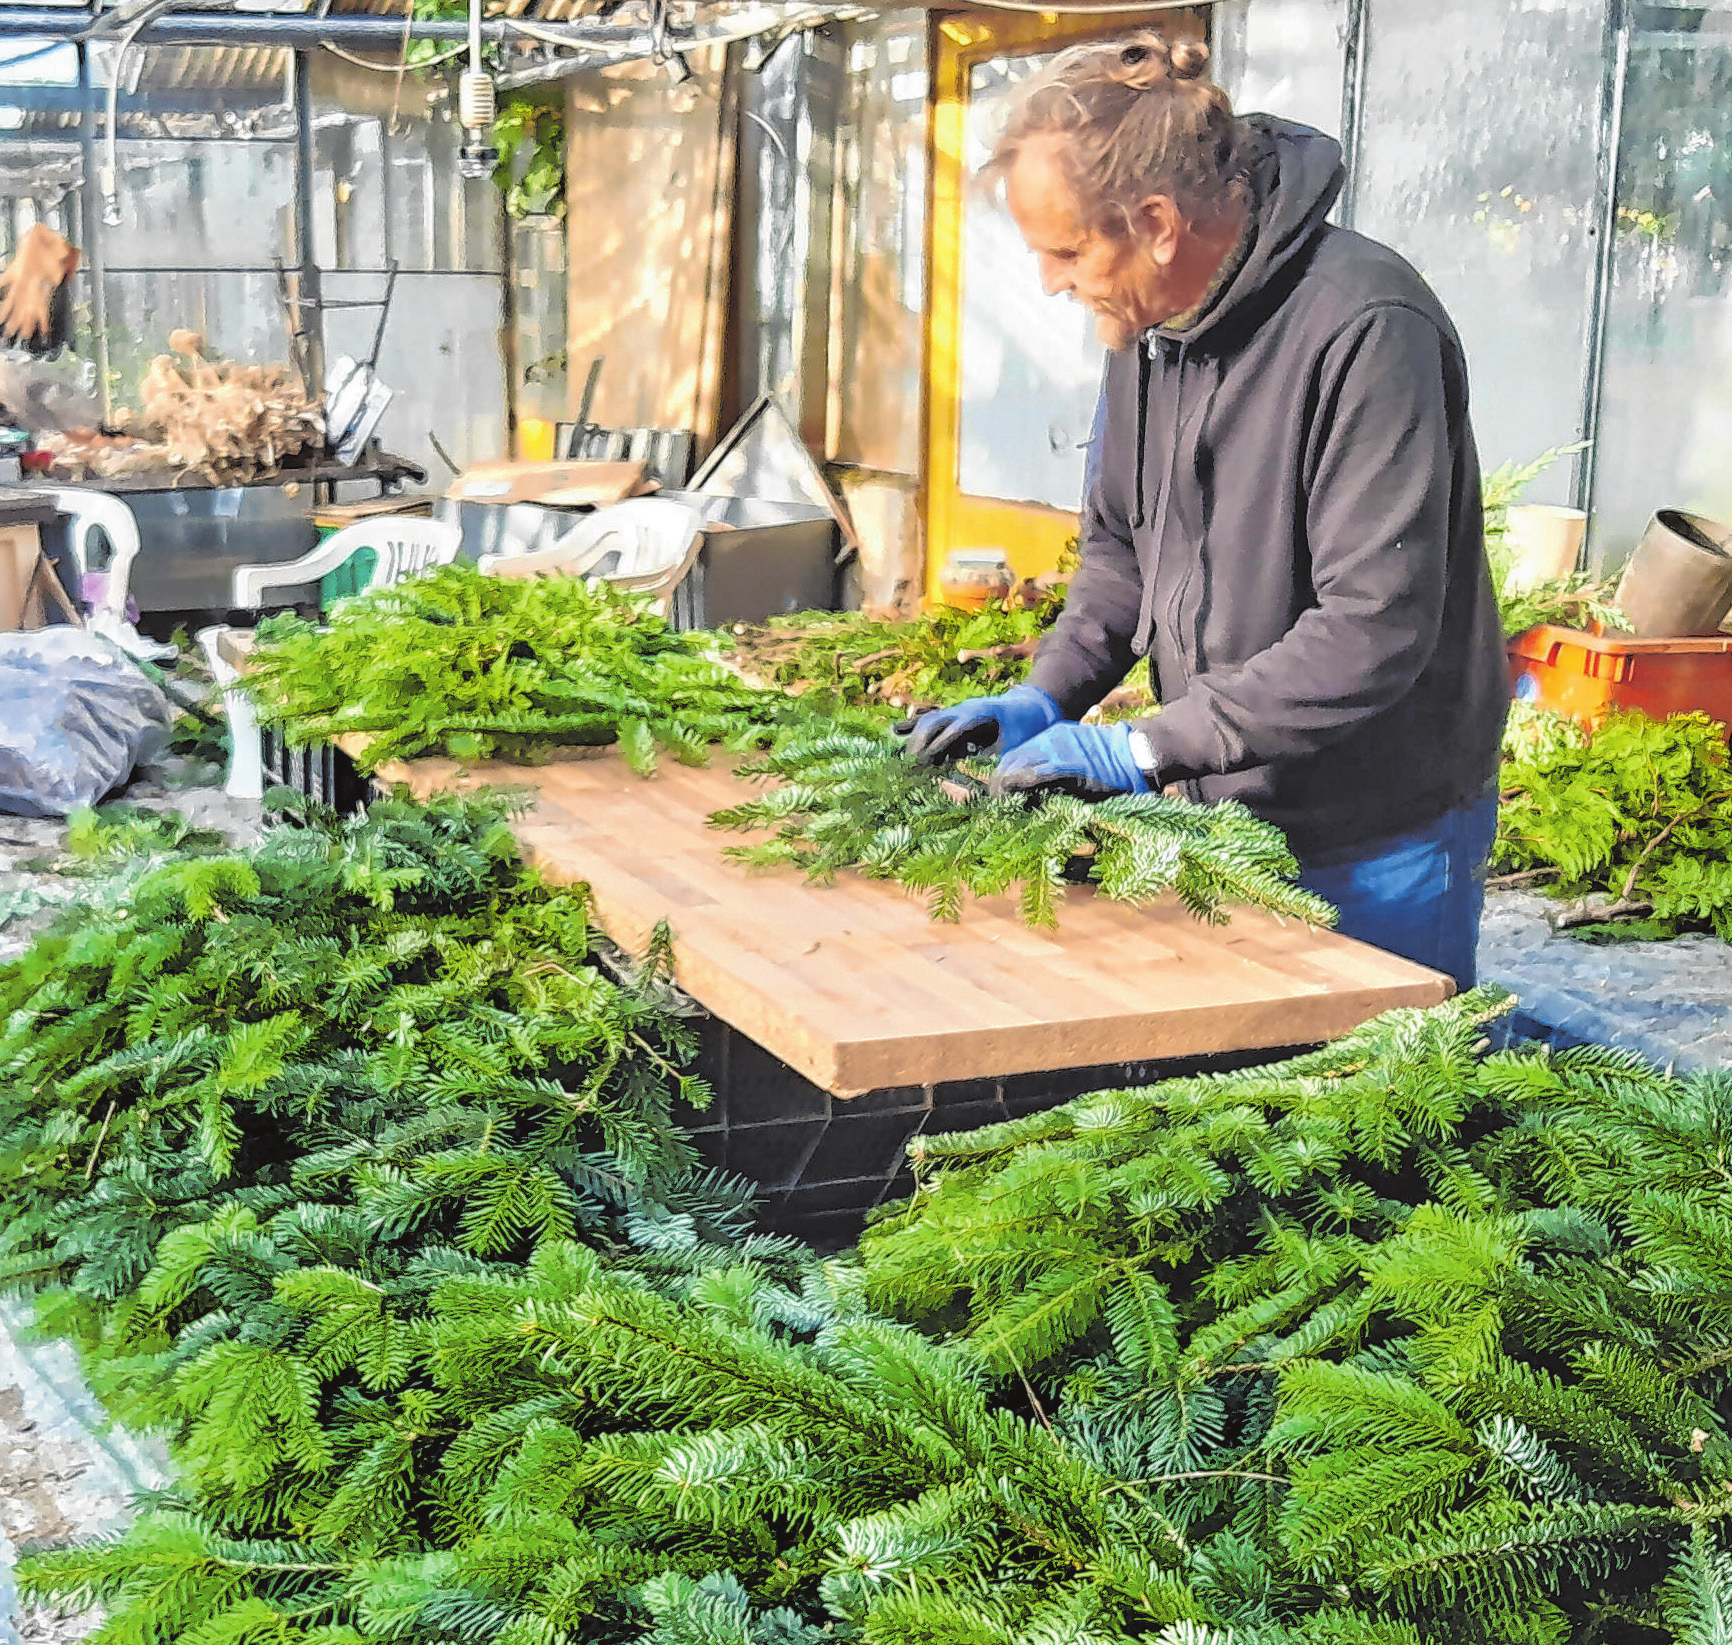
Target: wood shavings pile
224	421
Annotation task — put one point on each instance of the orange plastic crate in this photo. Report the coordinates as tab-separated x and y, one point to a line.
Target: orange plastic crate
1587	676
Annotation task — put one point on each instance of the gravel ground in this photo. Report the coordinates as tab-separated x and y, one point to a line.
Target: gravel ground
65	1472
1671	1001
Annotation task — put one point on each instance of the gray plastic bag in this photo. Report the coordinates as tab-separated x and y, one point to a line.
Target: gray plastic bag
75	717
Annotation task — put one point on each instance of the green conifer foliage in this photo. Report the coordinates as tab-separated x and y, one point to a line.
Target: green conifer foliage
1398	1343
851	798
477	667
1640	811
1445	1339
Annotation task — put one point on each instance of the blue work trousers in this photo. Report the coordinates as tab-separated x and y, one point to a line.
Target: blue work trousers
1420	894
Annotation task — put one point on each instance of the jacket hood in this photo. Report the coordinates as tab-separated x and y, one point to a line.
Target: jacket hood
1295	174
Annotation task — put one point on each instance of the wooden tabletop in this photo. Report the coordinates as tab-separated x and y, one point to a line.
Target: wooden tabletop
856	988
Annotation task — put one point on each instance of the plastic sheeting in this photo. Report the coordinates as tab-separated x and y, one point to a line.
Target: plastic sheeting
75	717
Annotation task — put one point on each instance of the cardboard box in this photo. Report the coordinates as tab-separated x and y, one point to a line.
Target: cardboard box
574	484
28	587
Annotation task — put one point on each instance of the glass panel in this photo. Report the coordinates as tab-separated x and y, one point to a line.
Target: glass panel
39	183
39	93
538	313
239	316
1477	164
440	357
198	205
881	275
385	177
1282	57
1031	366
244	92
1666	418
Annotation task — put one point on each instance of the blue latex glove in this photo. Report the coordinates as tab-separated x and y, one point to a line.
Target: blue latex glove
1090	761
982	725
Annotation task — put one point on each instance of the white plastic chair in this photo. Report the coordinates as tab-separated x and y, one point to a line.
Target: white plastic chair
404	547
644	544
88	511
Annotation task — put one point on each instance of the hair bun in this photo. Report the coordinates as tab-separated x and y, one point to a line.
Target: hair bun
1188	59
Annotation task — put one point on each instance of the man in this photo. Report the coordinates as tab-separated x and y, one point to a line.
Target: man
1285	517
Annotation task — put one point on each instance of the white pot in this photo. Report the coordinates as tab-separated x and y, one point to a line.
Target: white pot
1545	542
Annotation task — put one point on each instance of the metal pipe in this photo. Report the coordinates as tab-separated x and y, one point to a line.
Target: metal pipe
1615	77
95	267
308	293
361	29
1353	107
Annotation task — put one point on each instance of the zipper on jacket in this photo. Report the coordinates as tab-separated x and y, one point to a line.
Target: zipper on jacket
1144	635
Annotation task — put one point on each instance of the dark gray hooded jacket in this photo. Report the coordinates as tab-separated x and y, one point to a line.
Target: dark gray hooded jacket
1286	519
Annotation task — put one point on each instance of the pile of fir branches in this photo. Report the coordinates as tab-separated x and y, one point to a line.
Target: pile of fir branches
1395	1344
1408	1344
1632	822
851	798
477	667
938	657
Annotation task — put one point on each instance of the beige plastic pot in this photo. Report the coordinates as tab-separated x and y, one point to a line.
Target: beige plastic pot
1679	581
1545	542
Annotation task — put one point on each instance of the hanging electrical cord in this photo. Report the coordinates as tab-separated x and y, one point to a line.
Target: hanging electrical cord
386	68
108	176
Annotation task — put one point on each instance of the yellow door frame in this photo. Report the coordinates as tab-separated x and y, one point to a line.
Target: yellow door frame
1031	534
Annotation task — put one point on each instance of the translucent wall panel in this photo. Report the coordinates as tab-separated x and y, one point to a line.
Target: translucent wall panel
39	183
385	178
1666	417
440	355
1282	57
199	204
538	299
1477	163
238	315
876	350
1031	366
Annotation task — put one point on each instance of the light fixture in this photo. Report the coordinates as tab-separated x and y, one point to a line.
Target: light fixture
476	107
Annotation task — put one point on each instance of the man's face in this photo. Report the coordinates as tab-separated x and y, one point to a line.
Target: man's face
1122	282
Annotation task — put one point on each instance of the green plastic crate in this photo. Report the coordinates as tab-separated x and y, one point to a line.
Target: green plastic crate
351	577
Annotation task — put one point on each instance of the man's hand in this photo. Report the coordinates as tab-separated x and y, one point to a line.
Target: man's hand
982	725
1089	761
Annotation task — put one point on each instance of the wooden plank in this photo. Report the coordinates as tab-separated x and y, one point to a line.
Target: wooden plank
854	986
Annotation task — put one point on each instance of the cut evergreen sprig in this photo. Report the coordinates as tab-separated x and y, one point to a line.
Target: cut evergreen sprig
852	799
1417	1344
1637	814
477	667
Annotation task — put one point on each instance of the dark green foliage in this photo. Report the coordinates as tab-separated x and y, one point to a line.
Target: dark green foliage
1446	1340
853	800
1185	1220
358	1180
479	667
1641	812
250	1120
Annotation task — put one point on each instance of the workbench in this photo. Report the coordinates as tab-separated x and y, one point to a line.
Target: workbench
853	1020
